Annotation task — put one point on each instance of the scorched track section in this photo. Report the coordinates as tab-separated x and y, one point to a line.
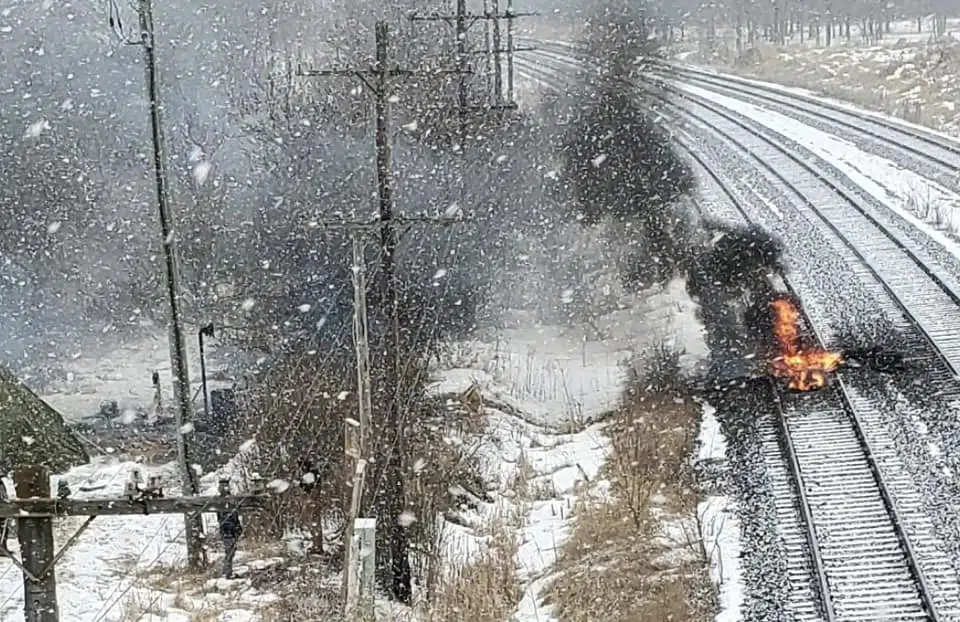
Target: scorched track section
867	551
926	296
849	553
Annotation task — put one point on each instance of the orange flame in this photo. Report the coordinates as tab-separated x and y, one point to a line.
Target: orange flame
805	368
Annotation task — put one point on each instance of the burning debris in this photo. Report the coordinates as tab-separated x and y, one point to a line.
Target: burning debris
754	330
805	368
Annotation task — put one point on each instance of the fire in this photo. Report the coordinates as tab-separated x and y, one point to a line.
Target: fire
805	368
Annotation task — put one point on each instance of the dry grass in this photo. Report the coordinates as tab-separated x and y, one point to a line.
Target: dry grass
486	588
620	565
310	603
164	586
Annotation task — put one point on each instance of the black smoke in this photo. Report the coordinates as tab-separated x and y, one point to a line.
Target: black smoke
731	280
619	159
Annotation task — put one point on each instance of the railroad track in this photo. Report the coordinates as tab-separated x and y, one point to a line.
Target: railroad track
926	296
859	545
855	549
922	143
897	268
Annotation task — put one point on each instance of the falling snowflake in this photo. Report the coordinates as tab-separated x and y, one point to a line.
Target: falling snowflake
201	171
35	129
278	485
453	211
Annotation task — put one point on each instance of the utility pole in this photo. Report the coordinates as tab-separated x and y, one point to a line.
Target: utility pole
510	51
392	500
462	22
461	30
178	353
497	67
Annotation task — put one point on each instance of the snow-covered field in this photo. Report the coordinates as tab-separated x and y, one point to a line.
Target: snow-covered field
124	374
551	384
906	74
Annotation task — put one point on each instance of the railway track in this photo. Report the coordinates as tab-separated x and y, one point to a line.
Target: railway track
926	296
899	270
921	143
852	552
858	543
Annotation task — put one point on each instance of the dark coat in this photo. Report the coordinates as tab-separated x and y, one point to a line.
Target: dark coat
230	526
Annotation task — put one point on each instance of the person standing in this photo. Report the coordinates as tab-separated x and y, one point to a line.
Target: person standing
230	530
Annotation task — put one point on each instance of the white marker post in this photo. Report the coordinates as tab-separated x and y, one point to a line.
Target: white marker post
360	576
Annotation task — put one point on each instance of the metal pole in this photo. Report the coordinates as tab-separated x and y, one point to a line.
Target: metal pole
497	66
510	51
357	449
361	342
206	331
178	354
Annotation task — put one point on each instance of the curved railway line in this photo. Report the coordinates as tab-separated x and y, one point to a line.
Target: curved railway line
858	543
898	269
922	144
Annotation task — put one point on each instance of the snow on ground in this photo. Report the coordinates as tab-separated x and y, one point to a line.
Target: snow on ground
99	576
545	387
720	526
910	195
907	74
124	373
554	383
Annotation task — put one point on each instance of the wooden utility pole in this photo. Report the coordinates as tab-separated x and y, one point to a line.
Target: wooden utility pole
36	549
34	510
461	60
510	51
178	352
497	66
392	500
462	22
